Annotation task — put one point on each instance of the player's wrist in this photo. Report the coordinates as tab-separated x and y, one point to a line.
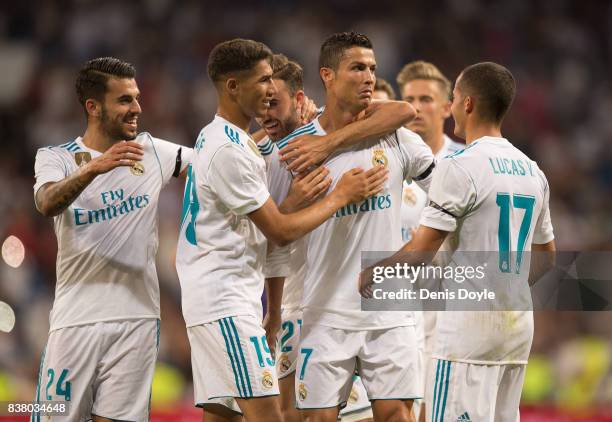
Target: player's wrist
89	170
335	140
338	198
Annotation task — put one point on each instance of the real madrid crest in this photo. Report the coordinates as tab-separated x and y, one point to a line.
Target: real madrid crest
82	158
302	392
284	362
354	396
137	169
408	196
379	158
267	381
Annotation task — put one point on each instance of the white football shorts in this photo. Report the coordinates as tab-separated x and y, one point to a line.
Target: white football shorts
104	369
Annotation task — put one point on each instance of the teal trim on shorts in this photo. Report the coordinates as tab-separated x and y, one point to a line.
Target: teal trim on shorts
35	417
242	356
229	353
434	411
442	381
242	372
448	369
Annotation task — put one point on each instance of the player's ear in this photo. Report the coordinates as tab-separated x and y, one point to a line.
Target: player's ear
93	107
327	75
446	109
299	97
468	104
231	84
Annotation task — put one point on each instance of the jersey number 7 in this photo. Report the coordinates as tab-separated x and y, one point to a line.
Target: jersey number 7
525	202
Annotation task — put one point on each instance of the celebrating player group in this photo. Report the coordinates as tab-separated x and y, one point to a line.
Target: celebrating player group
284	195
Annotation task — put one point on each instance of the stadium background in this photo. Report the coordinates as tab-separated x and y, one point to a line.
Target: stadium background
559	51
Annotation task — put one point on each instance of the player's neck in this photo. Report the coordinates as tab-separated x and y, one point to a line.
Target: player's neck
478	130
94	138
335	116
233	113
435	142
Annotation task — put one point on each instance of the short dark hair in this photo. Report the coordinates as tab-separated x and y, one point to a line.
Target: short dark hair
234	56
382	85
288	71
333	47
94	75
492	85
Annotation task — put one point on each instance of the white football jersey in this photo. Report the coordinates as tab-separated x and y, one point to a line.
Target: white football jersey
414	201
288	261
107	238
490	197
220	250
334	249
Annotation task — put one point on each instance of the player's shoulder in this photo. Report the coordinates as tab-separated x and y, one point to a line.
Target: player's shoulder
407	136
65	149
221	133
266	147
311	128
451	146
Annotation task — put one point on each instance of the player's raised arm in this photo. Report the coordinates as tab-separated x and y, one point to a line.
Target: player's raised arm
380	118
354	186
53	197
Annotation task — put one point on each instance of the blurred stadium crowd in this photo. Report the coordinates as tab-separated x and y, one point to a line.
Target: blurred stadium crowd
559	51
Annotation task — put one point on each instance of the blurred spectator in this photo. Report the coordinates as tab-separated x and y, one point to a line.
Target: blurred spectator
560	52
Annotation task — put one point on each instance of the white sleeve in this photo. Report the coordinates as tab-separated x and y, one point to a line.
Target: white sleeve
48	167
233	176
173	158
277	261
451	195
543	232
418	158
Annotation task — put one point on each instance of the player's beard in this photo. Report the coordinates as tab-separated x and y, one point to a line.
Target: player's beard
113	128
292	122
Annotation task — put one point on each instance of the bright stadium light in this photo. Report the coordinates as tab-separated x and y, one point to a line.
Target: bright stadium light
13	251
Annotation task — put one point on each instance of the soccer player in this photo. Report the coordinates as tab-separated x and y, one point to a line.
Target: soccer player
383	90
481	205
429	91
288	270
102	190
336	336
227	216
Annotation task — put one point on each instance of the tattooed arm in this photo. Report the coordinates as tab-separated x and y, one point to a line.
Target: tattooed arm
54	197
